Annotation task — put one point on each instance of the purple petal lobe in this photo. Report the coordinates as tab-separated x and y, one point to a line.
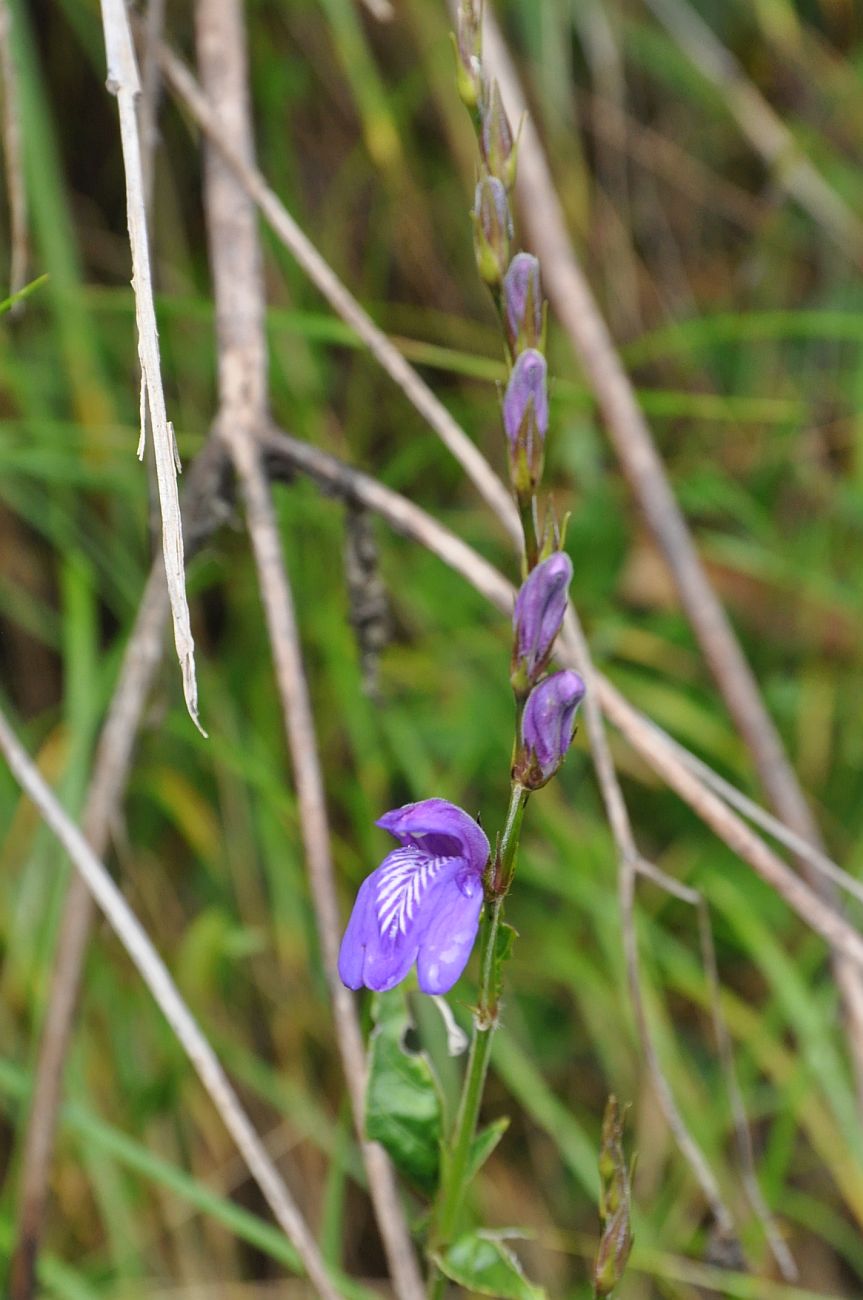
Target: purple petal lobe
439	828
356	938
450	934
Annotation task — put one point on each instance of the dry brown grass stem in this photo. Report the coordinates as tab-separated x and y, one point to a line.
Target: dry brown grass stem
235	257
572	300
12	156
152	31
124	83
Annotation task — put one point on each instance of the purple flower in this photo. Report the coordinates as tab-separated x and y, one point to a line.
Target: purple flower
421	905
522	293
547	726
538	614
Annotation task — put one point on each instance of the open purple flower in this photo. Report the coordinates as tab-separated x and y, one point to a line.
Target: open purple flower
539	609
421	905
547	727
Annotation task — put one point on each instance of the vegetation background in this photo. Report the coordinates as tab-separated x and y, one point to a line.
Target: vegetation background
738	315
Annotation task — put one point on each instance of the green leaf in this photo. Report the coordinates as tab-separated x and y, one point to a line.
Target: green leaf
404	1111
482	1262
484	1143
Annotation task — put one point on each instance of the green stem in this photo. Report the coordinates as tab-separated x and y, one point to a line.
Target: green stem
455	1167
527	514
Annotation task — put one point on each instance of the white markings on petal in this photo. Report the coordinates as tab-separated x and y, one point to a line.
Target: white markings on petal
402	882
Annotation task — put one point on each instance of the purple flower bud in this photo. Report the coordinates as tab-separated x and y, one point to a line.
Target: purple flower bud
522	294
538	614
492	229
526	390
547	727
421	905
468	46
525	420
495	137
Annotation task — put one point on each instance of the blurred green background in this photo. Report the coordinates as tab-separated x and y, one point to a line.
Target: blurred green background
739	318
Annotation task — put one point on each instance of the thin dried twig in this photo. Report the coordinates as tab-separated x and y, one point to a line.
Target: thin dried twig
242	362
123	82
13	158
573	301
761	125
155	974
784	1259
818	913
341	300
801	848
781	1253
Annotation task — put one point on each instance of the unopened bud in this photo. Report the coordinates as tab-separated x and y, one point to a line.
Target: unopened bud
537	617
522	296
525	420
492	229
495	136
547	727
468	49
614	1205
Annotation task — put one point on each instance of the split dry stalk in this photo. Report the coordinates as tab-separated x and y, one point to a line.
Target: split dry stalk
124	83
